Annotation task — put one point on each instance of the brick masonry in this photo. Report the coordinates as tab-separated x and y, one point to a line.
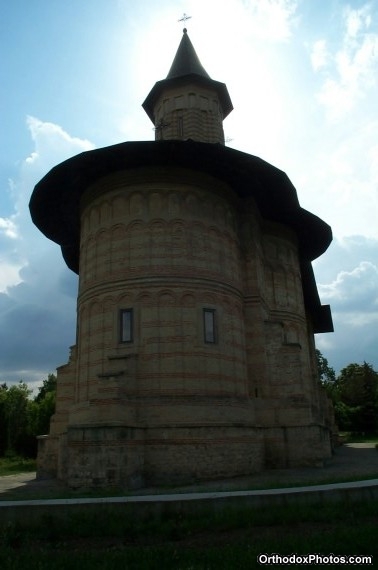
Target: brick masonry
189	112
169	407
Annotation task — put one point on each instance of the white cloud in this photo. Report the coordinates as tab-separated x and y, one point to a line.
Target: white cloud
373	158
8	227
272	19
353	171
337	98
52	144
319	55
357	20
37	290
351	70
9	275
10	260
357	289
17	233
350	286
339	176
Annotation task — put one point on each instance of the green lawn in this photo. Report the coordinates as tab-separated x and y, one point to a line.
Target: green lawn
351	437
14	464
227	540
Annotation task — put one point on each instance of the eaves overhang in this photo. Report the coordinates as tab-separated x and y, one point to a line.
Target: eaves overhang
55	201
175	82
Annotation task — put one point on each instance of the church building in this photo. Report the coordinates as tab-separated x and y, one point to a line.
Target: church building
197	303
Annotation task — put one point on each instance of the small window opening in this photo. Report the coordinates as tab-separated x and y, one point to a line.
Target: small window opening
126	325
180	126
209	325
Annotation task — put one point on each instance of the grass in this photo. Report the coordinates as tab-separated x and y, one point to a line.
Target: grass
111	538
13	464
19	494
225	540
351	437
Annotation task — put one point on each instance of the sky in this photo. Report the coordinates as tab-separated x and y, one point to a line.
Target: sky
303	79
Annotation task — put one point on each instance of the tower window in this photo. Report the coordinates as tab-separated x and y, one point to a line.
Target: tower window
126	322
209	326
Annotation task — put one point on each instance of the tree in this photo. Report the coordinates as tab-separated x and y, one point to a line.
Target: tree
326	375
3	422
46	409
22	418
354	393
15	413
48	387
357	387
45	401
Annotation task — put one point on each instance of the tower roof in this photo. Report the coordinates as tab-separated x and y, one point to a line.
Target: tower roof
186	60
187	67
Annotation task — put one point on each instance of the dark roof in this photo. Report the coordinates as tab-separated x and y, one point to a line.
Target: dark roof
186	60
186	67
55	202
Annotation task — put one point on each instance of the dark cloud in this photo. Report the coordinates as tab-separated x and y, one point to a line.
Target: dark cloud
37	315
347	277
37	324
38	292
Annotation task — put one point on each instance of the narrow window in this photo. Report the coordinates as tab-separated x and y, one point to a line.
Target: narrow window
180	126
126	325
209	325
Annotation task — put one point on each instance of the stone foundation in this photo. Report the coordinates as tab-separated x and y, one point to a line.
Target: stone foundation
48	455
132	458
297	446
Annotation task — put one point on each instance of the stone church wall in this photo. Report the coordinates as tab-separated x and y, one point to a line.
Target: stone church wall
169	407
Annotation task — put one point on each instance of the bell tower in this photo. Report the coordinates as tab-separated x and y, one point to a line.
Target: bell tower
188	104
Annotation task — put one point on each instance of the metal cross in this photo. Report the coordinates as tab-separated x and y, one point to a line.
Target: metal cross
184	18
160	126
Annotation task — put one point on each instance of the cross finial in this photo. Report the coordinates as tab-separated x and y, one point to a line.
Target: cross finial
184	18
161	125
